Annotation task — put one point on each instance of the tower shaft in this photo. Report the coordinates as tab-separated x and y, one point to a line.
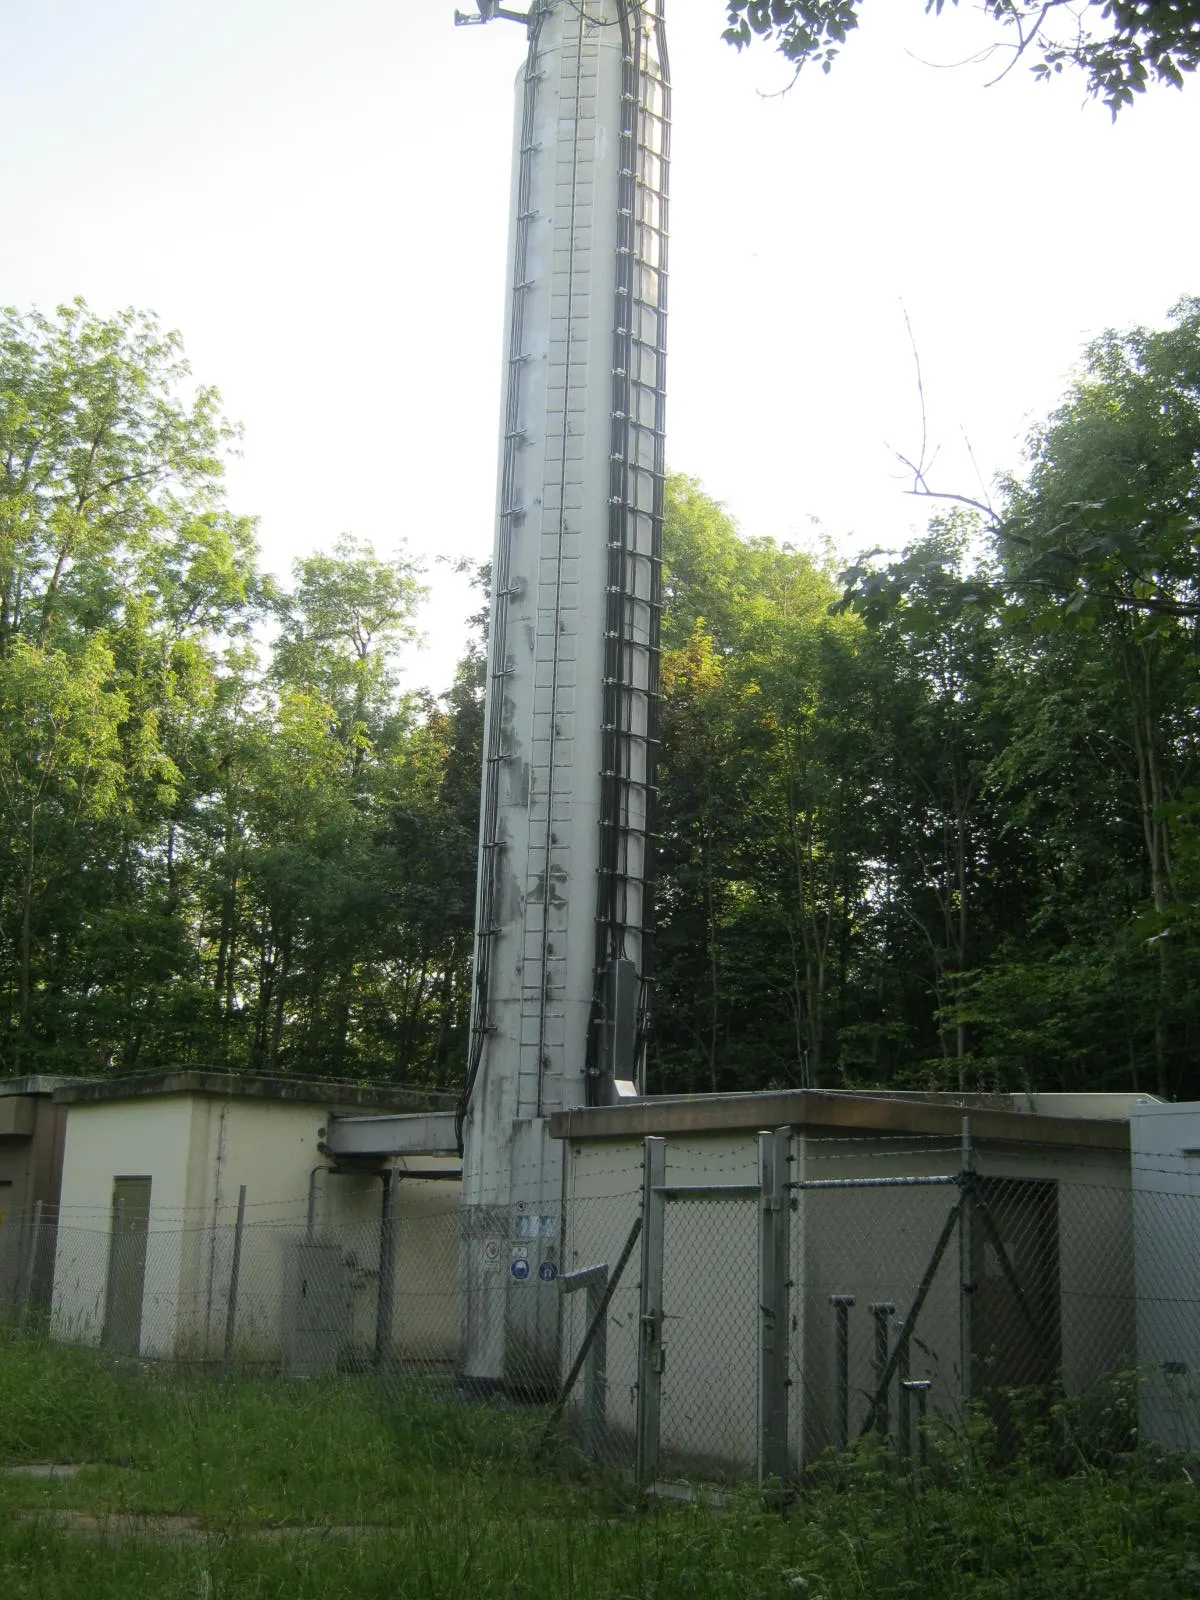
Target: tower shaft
563	915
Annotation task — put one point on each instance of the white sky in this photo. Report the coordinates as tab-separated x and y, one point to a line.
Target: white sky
315	194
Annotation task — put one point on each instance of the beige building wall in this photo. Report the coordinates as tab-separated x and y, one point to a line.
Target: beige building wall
425	1327
602	1189
271	1147
1165	1140
129	1139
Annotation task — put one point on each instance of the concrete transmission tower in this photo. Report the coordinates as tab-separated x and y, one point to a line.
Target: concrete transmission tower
563	929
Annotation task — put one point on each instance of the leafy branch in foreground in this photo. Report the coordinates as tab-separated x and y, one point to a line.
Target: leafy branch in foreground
1121	46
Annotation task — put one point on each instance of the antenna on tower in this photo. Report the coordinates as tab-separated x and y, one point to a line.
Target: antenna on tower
487	10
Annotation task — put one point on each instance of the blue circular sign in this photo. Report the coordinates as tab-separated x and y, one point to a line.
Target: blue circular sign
547	1272
520	1270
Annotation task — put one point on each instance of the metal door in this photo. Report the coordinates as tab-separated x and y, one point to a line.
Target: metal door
317	1312
126	1266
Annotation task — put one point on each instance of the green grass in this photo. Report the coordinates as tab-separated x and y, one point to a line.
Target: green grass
410	1496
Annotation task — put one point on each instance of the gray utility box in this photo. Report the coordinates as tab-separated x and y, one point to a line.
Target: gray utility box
316	1310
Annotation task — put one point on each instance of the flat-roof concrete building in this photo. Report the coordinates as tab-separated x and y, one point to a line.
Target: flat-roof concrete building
346	1253
891	1277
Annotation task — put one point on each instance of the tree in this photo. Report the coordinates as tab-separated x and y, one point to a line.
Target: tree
1099	551
118	565
60	769
340	629
931	617
99	458
1121	46
215	846
760	868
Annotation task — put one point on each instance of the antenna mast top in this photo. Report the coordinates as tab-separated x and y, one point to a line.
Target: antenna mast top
487	10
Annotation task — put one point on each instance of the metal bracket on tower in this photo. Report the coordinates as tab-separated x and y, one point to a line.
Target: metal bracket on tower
487	10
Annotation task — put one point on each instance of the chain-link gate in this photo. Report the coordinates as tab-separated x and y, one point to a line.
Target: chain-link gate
715	1263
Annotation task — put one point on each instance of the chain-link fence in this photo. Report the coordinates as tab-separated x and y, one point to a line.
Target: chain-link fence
265	1292
923	1295
740	1323
780	1317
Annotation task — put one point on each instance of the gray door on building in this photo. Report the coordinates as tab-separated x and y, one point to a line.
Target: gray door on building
317	1316
126	1266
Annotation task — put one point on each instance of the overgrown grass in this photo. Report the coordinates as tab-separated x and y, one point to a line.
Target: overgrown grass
256	1450
337	1490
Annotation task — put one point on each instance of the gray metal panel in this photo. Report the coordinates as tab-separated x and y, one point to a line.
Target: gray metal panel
424	1134
316	1310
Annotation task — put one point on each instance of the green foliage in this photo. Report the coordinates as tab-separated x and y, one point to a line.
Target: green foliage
759	797
1121	46
934	824
941	832
207	849
1098	549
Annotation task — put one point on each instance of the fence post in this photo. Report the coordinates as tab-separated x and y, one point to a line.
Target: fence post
773	1283
966	1281
116	1260
385	1305
918	1389
235	1273
841	1304
596	1392
595	1383
904	1424
650	1308
33	1235
593	1351
881	1310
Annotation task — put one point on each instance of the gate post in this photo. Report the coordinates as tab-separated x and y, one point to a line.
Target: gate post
650	1308
966	1278
773	1322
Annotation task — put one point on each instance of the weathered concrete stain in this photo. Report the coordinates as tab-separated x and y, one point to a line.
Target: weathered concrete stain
558	878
